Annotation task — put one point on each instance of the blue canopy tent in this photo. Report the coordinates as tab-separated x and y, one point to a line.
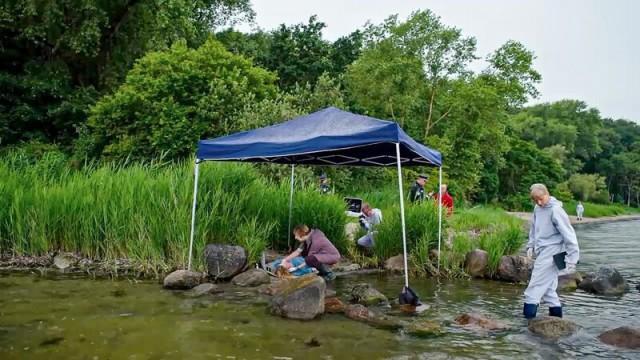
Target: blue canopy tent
328	137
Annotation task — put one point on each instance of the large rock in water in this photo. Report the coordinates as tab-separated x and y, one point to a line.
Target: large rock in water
607	281
552	328
569	282
424	328
224	261
625	337
479	321
299	298
204	289
182	280
476	263
366	295
360	312
333	305
250	278
515	268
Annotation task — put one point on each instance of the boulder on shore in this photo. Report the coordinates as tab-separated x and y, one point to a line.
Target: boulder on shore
515	268
182	280
607	281
395	264
65	260
476	263
251	278
351	230
224	261
626	337
299	298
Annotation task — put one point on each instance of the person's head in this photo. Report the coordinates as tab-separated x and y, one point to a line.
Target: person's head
539	194
366	209
580	202
301	232
422	179
323	178
443	188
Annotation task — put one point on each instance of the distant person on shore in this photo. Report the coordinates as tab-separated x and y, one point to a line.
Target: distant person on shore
579	210
416	193
325	188
318	252
368	220
447	199
555	245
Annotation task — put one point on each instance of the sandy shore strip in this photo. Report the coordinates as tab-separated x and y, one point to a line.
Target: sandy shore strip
585	220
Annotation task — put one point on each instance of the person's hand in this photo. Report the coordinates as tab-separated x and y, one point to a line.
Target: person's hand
570	269
530	252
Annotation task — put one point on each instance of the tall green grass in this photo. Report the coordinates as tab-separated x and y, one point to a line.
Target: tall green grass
489	229
143	211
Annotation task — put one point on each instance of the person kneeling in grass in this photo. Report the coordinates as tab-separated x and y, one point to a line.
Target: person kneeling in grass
318	252
368	220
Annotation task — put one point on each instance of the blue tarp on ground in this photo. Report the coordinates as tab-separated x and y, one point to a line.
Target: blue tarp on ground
326	137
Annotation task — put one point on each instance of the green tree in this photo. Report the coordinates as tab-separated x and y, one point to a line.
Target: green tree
58	55
511	68
585	186
172	98
443	51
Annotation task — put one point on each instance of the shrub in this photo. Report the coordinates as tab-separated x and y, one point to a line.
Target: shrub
170	99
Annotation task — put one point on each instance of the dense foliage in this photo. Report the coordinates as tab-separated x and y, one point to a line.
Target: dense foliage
143	80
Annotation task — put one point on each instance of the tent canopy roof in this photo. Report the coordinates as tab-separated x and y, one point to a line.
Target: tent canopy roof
327	137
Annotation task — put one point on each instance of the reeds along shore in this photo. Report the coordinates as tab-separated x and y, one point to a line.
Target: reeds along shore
142	212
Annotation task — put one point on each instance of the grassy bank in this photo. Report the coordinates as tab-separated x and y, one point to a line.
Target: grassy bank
599	210
142	212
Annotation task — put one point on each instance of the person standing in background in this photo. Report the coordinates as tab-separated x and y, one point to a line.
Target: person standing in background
579	210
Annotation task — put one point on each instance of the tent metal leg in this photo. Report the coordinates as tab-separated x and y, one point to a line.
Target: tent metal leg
293	167
404	231
439	213
193	211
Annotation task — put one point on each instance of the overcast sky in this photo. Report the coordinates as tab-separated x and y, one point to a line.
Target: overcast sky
586	49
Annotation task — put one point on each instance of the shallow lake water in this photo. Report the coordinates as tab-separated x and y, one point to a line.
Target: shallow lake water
66	318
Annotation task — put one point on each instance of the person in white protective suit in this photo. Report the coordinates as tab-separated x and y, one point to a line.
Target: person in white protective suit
551	234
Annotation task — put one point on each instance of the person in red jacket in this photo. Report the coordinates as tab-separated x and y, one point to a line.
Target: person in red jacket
447	200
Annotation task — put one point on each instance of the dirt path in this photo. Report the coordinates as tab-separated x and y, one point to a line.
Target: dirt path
585	220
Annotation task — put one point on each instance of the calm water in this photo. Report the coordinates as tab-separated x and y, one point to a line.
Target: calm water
44	318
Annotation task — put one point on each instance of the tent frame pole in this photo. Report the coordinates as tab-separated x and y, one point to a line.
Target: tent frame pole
193	211
293	167
404	231
439	213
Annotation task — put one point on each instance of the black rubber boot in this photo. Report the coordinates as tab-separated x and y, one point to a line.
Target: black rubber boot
529	311
325	271
555	311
